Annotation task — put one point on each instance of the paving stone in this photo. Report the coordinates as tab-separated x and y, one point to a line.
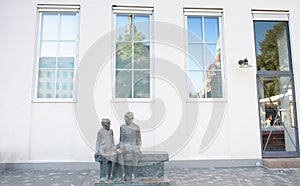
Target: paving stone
249	176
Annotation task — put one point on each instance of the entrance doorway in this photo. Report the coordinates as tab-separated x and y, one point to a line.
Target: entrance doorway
275	86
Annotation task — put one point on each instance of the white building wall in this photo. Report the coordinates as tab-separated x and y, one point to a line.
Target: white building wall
41	132
17	47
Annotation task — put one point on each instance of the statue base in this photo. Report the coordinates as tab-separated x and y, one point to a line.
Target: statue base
150	170
147	182
150	166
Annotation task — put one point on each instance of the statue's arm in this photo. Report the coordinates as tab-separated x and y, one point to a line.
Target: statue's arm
112	136
98	143
138	139
121	135
111	133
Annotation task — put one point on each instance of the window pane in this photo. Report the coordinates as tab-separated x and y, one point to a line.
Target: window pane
132	56
271	46
66	49
213	85
49	26
142	84
68	27
64	83
48	49
212	56
195	57
123	28
46	81
65	62
47	62
142	55
57	55
204	57
124	55
196	84
195	29
141	28
123	83
211	29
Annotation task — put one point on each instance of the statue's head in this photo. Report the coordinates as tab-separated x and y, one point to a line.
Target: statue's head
106	123
128	117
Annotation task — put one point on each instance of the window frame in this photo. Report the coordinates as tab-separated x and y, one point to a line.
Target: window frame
56	9
129	10
206	12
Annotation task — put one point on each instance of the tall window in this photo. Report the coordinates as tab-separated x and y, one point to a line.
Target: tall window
204	54
57	52
133	55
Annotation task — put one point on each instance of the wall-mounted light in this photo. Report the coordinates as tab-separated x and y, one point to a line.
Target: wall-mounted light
244	63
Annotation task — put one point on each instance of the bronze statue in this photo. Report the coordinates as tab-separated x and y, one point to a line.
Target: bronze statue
105	147
128	153
130	143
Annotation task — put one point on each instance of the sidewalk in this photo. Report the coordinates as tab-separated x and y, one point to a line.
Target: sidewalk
244	176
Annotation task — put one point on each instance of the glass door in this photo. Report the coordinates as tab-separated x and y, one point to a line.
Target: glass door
278	122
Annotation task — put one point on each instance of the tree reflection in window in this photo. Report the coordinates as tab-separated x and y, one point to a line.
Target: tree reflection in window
133	56
272	46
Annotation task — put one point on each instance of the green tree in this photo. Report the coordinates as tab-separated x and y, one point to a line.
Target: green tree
268	59
129	51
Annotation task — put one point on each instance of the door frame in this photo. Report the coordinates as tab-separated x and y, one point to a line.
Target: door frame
290	74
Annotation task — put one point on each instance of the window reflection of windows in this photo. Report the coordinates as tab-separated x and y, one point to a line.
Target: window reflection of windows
57	49
57	86
49	75
204	56
132	65
49	86
65	75
64	86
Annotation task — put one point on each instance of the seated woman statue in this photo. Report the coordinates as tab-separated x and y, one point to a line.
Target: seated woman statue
105	147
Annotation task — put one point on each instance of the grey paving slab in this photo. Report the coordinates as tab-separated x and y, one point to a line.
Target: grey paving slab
250	176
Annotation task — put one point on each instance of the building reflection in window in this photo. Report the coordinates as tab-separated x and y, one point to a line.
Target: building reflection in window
204	57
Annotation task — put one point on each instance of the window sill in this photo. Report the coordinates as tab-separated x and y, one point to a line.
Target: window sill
206	100
47	100
134	100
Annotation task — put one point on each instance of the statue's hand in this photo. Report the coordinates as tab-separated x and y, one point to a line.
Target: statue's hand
119	151
137	149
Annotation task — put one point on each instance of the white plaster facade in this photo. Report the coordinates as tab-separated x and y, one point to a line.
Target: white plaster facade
32	131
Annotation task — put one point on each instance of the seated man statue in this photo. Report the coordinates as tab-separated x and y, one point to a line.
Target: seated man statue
105	147
130	143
